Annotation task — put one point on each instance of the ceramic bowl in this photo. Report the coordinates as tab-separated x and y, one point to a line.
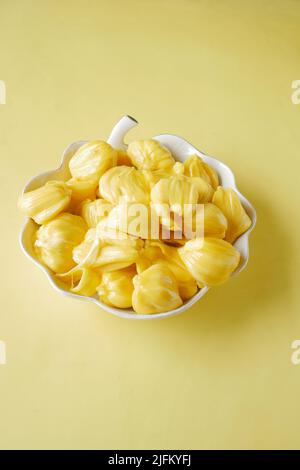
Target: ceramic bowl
181	149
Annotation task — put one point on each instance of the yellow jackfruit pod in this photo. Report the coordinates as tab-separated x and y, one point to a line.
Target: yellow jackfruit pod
115	257
187	289
195	166
153	176
155	290
215	222
147	256
150	252
208	220
169	253
187	285
106	248
238	220
81	190
92	159
44	203
205	190
140	220
56	239
123	158
82	251
210	260
82	281
112	236
88	282
132	218
178	195
94	211
107	257
158	252
123	184
116	288
150	155
170	257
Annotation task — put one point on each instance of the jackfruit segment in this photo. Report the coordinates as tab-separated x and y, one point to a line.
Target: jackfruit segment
82	189
195	166
92	160
210	260
227	200
157	252
175	199
123	184
155	291
95	211
107	249
44	203
150	155
82	281
56	239
207	221
116	288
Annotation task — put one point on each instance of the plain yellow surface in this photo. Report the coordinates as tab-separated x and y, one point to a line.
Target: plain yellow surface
218	73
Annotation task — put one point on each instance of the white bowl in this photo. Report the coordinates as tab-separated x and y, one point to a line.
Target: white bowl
181	149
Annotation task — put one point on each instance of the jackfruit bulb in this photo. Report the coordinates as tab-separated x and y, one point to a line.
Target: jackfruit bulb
82	281
208	220
209	260
169	256
227	200
150	155
124	184
44	203
116	288
81	190
56	239
155	290
95	211
92	159
195	166
179	195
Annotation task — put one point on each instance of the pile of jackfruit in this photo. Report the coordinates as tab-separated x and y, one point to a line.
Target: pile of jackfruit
80	236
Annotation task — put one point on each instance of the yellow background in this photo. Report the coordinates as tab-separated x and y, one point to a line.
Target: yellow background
218	73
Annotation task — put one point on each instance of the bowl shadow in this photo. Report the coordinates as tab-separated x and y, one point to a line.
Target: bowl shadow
265	277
